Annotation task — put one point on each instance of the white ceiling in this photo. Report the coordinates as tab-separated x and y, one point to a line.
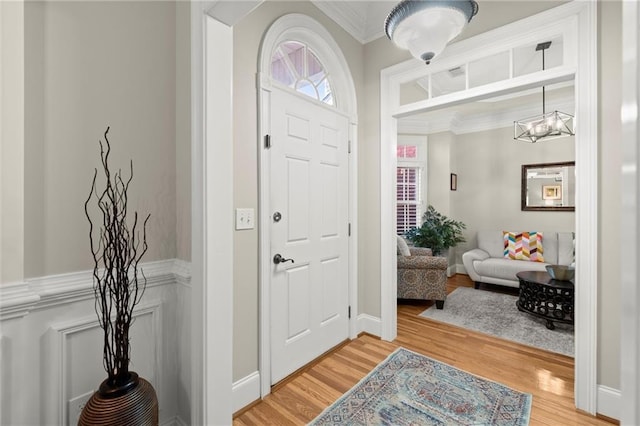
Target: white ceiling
363	19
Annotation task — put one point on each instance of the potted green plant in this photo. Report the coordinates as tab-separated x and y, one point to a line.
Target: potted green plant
117	246
437	232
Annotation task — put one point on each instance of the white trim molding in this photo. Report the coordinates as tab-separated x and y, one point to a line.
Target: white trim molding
18	299
609	402
57	373
182	272
630	189
212	217
369	324
246	390
576	22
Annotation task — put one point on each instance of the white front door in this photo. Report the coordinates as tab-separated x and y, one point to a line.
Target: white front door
309	190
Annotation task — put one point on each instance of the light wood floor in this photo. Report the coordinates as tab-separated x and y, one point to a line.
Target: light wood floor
545	375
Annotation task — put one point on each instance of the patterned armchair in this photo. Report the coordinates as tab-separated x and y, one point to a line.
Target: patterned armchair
421	275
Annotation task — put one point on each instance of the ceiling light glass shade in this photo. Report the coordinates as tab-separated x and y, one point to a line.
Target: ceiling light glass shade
424	27
551	125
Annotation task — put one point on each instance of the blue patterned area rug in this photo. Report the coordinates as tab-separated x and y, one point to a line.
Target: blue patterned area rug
496	314
412	389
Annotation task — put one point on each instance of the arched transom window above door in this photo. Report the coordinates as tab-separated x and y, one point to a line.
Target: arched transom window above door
296	66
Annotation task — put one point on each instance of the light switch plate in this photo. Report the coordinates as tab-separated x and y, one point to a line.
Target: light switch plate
244	219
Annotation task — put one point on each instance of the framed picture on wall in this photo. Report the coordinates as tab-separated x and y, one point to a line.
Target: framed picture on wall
552	192
454	182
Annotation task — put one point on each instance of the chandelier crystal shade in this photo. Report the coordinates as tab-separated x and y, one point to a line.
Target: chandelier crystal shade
424	27
549	125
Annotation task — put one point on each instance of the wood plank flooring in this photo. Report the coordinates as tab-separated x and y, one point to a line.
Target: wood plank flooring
545	375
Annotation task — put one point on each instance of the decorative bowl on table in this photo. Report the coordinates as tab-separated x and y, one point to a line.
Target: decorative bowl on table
561	272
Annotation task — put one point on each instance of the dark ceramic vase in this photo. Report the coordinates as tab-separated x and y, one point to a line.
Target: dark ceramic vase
133	403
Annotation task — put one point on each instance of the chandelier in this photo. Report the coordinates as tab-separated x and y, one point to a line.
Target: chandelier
424	27
549	125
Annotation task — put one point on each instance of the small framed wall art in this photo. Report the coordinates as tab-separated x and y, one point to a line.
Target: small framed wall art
454	182
552	192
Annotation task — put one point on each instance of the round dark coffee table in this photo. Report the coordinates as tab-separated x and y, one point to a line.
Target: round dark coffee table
544	297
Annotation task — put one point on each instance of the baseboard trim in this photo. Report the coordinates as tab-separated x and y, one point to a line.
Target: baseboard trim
245	391
609	402
460	269
369	324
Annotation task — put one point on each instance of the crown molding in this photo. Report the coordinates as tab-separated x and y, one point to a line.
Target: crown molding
230	13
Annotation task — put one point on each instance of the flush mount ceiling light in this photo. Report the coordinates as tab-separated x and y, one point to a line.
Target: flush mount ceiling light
424	27
549	125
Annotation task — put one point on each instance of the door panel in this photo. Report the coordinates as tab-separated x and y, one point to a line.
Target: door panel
309	187
298	294
298	187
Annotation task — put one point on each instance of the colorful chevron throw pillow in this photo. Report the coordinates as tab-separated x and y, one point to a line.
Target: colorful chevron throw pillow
523	246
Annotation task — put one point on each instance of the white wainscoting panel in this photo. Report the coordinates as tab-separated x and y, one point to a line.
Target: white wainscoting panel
5	379
175	421
74	347
246	390
51	344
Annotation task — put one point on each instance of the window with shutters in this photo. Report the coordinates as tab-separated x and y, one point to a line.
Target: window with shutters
410	184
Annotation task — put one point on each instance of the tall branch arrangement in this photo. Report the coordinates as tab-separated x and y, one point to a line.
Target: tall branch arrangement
117	251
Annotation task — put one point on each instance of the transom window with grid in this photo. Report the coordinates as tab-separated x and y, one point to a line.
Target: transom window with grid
410	184
296	66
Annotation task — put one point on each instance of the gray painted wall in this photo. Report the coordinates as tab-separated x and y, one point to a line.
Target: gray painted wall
488	165
92	65
183	130
610	202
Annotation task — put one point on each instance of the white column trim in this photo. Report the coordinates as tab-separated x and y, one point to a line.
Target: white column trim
586	153
630	188
212	219
389	101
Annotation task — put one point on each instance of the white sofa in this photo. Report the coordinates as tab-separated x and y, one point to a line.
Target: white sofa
487	264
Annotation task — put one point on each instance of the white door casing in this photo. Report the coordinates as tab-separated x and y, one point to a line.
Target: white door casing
309	190
578	21
308	31
630	186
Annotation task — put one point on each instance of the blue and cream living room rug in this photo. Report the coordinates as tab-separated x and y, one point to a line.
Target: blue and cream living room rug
411	389
496	314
